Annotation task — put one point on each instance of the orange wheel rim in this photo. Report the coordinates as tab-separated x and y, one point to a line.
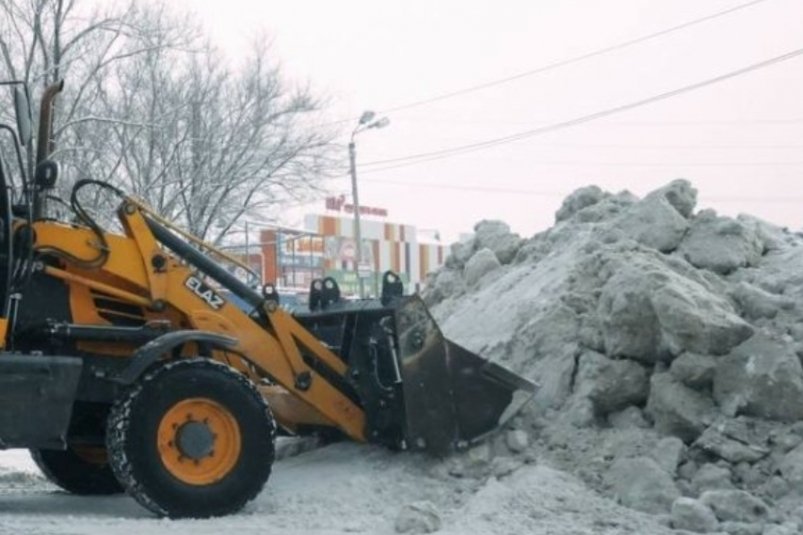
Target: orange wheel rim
199	441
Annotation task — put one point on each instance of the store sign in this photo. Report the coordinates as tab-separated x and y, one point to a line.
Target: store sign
302	244
345	250
301	261
310	245
338	204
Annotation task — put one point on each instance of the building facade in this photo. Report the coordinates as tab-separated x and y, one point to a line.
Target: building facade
326	247
386	246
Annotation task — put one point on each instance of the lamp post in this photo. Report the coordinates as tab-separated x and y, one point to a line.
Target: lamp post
366	121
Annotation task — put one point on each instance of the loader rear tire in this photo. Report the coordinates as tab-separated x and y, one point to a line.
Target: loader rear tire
79	470
193	438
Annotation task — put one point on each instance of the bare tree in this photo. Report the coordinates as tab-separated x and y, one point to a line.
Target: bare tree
153	107
217	144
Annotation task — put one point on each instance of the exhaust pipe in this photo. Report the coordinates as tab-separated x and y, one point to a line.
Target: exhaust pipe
44	139
44	148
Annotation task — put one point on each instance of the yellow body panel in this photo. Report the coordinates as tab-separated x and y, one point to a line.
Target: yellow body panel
289	410
130	276
3	332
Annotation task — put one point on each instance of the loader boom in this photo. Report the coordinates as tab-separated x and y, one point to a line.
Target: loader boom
272	342
125	365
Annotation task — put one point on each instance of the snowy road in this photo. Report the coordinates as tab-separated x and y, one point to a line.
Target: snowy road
343	488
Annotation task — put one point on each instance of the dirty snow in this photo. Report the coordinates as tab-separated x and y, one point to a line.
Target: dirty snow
667	341
341	488
647	320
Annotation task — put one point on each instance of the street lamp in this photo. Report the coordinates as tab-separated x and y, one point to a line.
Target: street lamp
366	121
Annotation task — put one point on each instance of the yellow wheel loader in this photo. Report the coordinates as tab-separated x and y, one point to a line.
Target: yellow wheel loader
124	365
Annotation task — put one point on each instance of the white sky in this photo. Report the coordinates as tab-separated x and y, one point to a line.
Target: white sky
740	142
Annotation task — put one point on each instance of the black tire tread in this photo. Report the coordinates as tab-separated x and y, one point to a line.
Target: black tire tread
118	423
69	472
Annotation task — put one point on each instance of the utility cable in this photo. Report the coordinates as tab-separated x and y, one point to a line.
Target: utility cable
575	59
556	194
565	62
471	147
710	122
661	164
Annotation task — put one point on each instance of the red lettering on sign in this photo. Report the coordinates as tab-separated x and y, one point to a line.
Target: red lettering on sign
338	204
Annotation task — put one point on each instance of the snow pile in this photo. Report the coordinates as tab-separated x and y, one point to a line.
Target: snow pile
344	488
668	346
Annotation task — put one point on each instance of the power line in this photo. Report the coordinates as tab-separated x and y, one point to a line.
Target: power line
563	63
660	164
671	164
751	122
471	147
575	59
712	122
477	189
556	194
669	146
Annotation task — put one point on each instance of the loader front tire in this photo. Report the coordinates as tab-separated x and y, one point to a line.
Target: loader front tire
80	470
193	438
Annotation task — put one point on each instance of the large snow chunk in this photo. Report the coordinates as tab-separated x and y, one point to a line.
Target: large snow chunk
629	324
649	310
610	385
418	517
641	484
694	319
517	440
692	515
735	440
668	453
711	476
654	223
459	253
607	209
680	194
694	370
791	468
660	220
545	348
721	244
577	200
762	377
735	505
678	410
496	236
443	284
756	303
483	262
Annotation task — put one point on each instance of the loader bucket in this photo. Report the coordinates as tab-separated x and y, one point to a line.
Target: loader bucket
452	397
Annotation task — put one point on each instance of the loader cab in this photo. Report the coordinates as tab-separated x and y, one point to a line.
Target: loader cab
11	190
22	186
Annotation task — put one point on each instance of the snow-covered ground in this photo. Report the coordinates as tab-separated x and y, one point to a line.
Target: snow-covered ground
341	488
663	340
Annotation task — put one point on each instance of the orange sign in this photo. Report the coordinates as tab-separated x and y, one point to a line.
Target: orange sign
307	244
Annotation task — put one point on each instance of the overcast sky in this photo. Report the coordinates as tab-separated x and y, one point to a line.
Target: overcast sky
740	141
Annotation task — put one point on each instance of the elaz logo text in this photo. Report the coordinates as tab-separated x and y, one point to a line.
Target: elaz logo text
204	292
